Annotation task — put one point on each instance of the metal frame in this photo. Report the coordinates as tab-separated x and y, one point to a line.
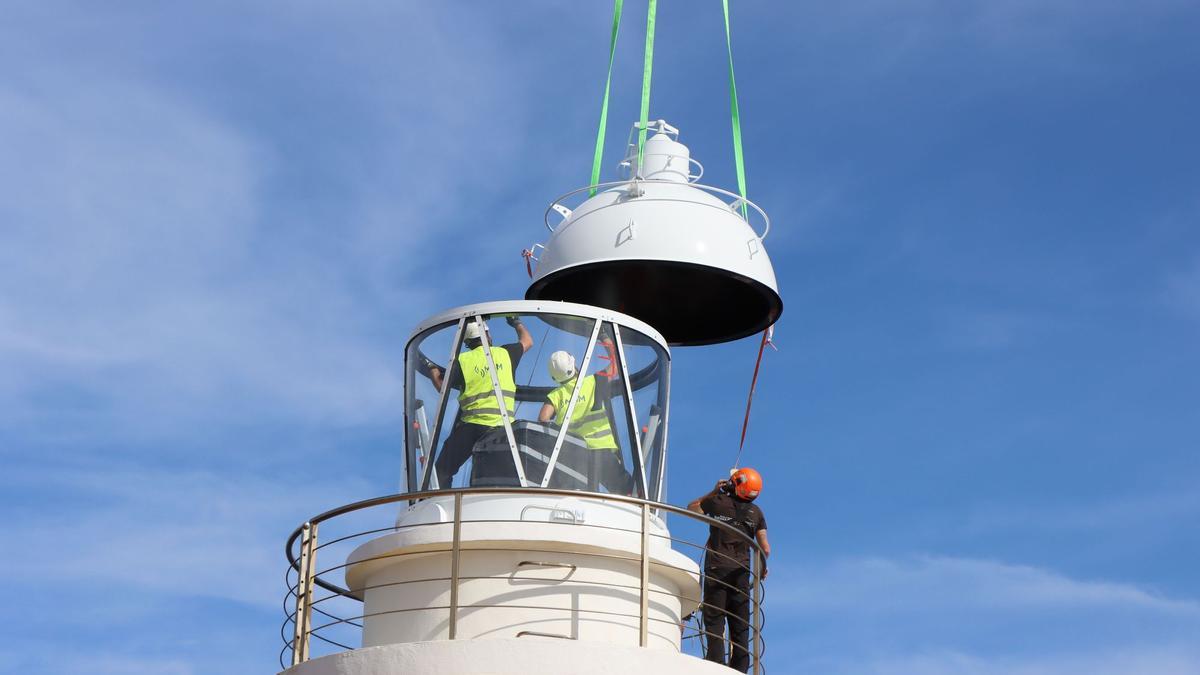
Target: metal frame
579	375
634	433
665	382
539	307
309	578
500	400
431	439
455	345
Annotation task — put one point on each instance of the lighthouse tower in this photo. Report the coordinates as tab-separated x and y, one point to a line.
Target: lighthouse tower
532	536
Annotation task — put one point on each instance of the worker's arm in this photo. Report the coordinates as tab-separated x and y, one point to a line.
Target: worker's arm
546	414
694	507
523	335
430	369
765	547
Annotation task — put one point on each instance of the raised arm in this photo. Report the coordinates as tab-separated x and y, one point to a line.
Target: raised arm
546	414
694	506
523	335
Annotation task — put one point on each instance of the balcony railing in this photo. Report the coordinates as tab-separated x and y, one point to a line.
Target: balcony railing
324	617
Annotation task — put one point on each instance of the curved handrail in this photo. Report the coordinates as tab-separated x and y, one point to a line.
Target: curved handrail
425	494
734	206
311	576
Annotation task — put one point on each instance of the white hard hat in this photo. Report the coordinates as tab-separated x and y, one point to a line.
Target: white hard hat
562	366
472	331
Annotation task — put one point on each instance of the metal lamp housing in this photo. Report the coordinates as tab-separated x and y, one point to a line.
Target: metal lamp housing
681	256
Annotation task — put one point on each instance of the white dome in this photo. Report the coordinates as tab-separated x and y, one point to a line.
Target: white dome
674	254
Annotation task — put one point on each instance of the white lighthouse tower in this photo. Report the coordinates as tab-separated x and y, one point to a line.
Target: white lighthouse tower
531	537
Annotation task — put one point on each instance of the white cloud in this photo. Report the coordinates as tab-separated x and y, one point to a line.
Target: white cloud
182	533
1130	660
945	584
1183	290
159	265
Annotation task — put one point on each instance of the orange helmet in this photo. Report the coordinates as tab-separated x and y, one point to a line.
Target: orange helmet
746	483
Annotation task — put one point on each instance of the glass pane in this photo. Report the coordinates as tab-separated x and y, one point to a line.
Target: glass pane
649	371
427	356
549	380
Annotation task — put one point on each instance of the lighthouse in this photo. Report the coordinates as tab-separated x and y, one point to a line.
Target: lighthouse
530	534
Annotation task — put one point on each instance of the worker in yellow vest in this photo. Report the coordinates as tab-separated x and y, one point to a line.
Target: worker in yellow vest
589	419
478	409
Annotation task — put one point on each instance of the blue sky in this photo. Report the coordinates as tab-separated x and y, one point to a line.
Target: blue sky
219	222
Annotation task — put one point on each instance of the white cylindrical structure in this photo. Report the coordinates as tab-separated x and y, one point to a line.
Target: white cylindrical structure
522	656
664	158
529	566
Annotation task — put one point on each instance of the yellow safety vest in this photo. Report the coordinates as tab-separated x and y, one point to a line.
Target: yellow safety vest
591	424
477	402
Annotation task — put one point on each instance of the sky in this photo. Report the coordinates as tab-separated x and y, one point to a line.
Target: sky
219	222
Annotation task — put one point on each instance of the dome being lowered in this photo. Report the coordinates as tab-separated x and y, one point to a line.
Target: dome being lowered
681	256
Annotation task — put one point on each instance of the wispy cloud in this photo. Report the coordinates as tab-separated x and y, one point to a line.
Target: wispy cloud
937	583
938	615
1178	659
162	267
177	532
1182	292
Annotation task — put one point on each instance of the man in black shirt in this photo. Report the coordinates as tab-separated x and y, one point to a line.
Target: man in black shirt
727	565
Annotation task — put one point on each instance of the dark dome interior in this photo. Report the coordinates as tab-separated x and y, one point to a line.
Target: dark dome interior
689	304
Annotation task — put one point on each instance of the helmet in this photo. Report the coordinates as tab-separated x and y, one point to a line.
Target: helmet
473	329
746	483
562	366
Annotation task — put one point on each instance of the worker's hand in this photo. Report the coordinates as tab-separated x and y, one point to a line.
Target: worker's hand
763	576
513	321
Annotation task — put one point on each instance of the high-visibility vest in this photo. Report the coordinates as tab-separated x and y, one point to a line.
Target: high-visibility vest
587	420
477	402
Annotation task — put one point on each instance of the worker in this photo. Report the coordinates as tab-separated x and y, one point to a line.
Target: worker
727	576
478	409
589	419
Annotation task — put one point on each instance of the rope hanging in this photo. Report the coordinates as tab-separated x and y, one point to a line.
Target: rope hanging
735	115
647	67
740	165
766	340
598	155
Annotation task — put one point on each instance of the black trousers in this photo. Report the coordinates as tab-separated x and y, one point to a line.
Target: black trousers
457	450
727	601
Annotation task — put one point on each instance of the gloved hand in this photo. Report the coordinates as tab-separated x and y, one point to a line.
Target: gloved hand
513	321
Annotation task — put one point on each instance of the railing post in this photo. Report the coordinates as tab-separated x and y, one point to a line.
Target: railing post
304	590
644	615
455	548
757	607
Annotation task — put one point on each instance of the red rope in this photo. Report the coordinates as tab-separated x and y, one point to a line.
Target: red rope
766	339
528	255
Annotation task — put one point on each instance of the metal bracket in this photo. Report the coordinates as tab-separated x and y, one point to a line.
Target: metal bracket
539	563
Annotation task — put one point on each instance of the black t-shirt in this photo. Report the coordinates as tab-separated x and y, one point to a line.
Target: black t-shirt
515	352
726	550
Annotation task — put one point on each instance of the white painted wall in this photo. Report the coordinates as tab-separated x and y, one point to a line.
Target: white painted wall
524	656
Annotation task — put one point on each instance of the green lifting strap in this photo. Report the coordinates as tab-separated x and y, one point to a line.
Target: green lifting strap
598	157
738	160
646	68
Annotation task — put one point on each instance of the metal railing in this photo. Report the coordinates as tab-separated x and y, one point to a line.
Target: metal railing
322	613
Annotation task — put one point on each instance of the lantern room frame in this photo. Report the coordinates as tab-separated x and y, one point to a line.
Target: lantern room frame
425	429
